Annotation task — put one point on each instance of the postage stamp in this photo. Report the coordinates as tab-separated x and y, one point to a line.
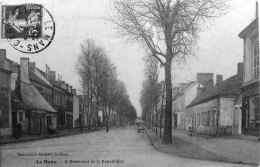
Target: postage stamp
29	28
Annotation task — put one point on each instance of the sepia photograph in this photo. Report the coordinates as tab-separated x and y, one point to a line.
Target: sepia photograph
131	83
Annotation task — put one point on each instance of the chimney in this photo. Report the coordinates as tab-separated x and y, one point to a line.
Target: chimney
183	86
256	10
24	69
32	66
206	79
2	57
53	74
219	79
200	91
240	69
47	72
14	67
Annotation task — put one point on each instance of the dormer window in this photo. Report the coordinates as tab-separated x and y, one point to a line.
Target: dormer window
256	60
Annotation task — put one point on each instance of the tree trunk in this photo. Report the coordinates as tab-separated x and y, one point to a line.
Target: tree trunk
156	124
167	135
152	124
156	120
109	108
161	125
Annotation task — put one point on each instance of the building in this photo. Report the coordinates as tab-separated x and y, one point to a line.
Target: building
34	98
23	103
187	93
56	92
212	110
5	96
247	114
76	110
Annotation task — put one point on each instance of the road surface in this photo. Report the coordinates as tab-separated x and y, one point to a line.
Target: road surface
118	147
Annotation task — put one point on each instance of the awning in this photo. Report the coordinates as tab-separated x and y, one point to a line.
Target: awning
33	98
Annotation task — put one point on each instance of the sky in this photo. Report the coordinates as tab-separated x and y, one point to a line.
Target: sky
219	47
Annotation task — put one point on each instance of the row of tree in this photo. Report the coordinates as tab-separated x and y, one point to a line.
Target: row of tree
152	97
100	85
169	29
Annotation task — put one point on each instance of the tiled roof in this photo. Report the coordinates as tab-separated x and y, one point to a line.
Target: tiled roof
229	87
249	28
32	76
33	99
179	94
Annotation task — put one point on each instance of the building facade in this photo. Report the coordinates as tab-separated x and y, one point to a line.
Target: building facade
212	110
188	92
249	110
5	97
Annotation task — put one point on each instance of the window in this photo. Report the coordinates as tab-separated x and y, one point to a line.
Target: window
254	115
21	116
198	119
49	122
26	114
201	118
256	60
54	99
204	120
208	118
214	120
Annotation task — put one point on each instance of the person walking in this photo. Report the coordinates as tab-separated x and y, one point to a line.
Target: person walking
190	131
20	130
107	123
15	131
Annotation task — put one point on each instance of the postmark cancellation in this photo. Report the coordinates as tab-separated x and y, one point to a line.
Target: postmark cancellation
29	28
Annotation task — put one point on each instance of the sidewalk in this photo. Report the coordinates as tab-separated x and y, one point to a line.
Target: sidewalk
206	147
26	138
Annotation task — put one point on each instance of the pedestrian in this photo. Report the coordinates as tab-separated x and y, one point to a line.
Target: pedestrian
15	132
107	124
190	131
20	130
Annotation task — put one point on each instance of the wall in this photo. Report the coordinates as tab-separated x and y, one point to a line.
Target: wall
237	120
205	107
226	111
5	96
248	61
75	111
190	95
248	55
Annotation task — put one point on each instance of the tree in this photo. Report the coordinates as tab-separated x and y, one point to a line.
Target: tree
95	70
151	74
168	28
98	78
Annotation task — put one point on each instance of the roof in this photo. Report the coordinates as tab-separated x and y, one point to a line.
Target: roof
33	99
229	87
32	76
179	94
249	29
22	105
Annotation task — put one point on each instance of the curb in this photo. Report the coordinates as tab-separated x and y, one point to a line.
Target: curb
154	144
45	138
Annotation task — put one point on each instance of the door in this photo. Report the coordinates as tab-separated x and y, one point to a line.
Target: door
194	122
175	121
40	130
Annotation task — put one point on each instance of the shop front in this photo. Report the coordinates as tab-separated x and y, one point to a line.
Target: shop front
250	110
